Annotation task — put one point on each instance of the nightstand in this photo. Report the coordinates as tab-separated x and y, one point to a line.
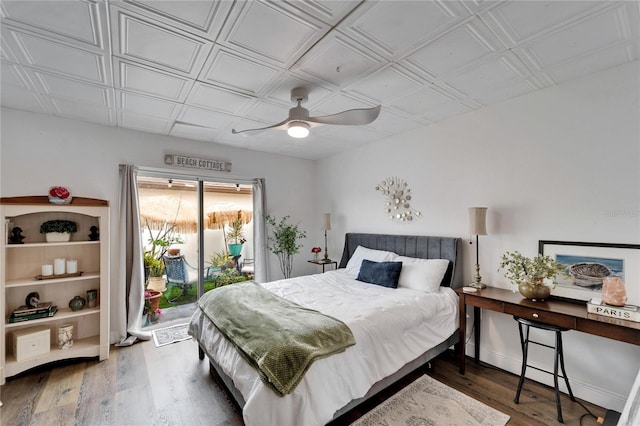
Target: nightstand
324	263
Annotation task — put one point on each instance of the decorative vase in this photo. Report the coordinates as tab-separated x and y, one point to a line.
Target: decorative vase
92	298
316	257
534	289
65	336
77	303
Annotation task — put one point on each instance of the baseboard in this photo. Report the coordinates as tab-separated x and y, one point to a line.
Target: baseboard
585	391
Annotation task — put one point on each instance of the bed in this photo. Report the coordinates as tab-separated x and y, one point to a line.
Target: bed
335	384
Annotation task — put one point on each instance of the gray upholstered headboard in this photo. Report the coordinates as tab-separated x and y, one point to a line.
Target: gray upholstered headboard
413	246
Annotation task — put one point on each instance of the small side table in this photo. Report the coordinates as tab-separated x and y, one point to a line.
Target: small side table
324	264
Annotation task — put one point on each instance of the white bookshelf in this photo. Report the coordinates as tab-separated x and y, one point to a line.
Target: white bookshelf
22	266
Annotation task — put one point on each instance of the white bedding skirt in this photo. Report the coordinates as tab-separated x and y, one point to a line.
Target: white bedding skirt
391	327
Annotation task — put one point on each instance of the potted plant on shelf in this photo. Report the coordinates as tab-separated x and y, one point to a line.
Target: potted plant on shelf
535	277
284	242
58	230
235	236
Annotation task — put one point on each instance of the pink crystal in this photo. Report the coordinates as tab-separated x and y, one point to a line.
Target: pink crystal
613	291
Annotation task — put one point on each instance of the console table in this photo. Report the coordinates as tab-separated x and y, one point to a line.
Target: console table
562	313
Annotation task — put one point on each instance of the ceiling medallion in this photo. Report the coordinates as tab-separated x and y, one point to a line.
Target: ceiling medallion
398	195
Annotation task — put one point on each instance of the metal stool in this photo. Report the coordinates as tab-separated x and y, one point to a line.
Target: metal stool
558	356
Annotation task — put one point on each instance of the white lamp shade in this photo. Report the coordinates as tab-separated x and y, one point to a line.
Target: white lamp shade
298	129
478	220
326	222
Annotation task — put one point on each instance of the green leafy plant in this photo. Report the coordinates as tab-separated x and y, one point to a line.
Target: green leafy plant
230	276
283	242
157	245
235	232
153	265
58	225
536	270
221	260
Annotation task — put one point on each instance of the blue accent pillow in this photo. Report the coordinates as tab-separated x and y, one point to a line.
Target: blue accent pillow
385	274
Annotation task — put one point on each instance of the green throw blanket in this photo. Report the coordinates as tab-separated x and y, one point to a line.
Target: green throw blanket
277	337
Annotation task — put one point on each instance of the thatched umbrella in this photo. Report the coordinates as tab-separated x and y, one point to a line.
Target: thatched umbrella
218	219
157	211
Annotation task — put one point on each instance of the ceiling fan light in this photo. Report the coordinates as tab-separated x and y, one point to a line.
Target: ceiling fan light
298	129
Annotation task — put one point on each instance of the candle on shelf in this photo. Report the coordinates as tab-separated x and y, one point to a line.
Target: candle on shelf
58	266
72	266
47	270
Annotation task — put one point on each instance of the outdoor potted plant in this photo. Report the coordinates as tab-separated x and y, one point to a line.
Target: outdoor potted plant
58	230
535	277
157	245
151	310
220	261
284	242
235	236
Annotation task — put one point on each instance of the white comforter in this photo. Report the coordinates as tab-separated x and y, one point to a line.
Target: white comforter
391	327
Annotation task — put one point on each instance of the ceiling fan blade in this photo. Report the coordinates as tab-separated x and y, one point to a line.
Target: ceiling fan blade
280	124
350	117
184	123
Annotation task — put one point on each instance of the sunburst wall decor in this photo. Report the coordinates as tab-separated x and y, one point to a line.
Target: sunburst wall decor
398	195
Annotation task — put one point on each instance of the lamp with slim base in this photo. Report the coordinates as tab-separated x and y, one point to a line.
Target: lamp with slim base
477	226
326	226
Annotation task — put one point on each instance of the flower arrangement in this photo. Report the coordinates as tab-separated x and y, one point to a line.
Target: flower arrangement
315	251
540	270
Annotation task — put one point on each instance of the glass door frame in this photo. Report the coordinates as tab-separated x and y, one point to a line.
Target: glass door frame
200	181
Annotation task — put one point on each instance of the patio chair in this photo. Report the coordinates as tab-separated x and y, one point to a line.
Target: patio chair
179	273
247	267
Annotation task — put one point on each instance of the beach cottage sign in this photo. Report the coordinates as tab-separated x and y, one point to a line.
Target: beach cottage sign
197	163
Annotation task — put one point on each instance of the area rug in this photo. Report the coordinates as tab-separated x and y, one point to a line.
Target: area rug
429	402
168	335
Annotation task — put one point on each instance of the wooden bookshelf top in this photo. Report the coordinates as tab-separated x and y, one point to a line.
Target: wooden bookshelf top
44	200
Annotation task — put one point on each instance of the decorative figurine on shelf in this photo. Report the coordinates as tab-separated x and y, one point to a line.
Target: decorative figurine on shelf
32	300
16	237
94	235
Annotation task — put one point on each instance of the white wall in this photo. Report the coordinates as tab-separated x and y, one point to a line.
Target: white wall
38	151
559	164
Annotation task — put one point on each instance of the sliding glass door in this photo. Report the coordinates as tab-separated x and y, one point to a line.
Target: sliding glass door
197	234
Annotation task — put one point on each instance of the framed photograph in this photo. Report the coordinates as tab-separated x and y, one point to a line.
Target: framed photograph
587	264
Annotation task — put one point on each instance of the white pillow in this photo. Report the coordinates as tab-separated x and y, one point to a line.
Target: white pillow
361	253
421	274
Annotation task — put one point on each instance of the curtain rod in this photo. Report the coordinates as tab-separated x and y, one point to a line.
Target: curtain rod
160	172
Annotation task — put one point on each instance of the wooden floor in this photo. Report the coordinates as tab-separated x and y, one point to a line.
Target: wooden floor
145	385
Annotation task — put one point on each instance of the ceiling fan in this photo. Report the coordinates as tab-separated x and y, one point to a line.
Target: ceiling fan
298	123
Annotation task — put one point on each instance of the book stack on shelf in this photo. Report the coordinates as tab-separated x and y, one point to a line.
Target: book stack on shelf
626	312
25	313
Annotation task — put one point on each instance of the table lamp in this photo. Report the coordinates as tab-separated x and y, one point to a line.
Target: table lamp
477	226
326	226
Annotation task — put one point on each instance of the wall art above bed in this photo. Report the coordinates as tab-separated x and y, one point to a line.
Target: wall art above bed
398	194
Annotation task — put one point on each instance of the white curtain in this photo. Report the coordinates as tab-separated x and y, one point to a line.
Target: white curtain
128	287
259	235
